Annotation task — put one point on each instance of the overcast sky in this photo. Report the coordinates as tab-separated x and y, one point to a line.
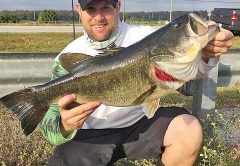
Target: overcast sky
131	5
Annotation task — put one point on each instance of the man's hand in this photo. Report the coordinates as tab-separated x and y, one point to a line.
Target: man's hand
73	119
219	45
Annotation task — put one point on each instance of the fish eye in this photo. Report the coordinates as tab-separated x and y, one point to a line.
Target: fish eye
176	24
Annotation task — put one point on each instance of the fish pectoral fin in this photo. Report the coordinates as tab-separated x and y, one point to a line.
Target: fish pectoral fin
68	60
151	107
144	95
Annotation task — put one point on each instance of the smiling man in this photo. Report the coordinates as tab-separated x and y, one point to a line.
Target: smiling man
95	134
100	20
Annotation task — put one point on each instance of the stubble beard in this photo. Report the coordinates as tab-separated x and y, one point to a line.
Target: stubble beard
102	37
107	34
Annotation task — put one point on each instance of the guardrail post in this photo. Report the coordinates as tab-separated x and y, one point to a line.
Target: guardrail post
204	95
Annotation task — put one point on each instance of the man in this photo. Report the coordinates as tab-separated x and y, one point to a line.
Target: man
96	134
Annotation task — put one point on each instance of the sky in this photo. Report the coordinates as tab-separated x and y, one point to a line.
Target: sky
131	5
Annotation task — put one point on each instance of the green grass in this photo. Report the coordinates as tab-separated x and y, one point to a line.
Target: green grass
34	42
236	42
45	42
36	23
228	97
16	149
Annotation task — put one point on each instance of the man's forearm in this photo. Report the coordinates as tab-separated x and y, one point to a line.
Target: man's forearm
50	127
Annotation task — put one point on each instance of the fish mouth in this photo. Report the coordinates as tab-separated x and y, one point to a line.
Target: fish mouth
197	24
199	27
163	76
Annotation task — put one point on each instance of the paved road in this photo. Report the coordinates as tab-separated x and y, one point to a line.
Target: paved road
29	29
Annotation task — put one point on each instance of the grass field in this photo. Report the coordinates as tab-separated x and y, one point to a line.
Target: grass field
16	149
236	42
34	42
45	42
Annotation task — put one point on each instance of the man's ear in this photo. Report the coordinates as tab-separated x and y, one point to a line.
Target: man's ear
79	9
118	6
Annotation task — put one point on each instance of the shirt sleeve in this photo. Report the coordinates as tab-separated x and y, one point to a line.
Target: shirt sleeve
49	126
204	68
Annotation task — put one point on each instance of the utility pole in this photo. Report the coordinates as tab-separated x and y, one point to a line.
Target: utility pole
124	8
34	15
73	21
171	7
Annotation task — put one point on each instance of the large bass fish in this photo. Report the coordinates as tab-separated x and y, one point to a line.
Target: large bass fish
139	74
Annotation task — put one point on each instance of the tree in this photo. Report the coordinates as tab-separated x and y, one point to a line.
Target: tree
14	19
47	16
4	19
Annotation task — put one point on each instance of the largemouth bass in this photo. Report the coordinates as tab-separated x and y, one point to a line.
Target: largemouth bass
139	74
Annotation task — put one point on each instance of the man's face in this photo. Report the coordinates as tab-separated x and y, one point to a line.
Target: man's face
99	19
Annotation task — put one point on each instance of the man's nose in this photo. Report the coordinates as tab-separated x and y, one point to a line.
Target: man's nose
99	16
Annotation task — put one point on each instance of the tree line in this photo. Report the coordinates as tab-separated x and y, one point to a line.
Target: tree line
47	16
56	16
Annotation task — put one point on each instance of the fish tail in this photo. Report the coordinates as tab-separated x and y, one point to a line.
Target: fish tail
27	107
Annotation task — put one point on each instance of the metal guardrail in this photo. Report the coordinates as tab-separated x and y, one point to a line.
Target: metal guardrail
227	73
229	69
21	70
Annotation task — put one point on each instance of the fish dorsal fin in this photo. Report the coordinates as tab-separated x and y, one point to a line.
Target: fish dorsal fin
109	51
68	60
83	65
151	107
